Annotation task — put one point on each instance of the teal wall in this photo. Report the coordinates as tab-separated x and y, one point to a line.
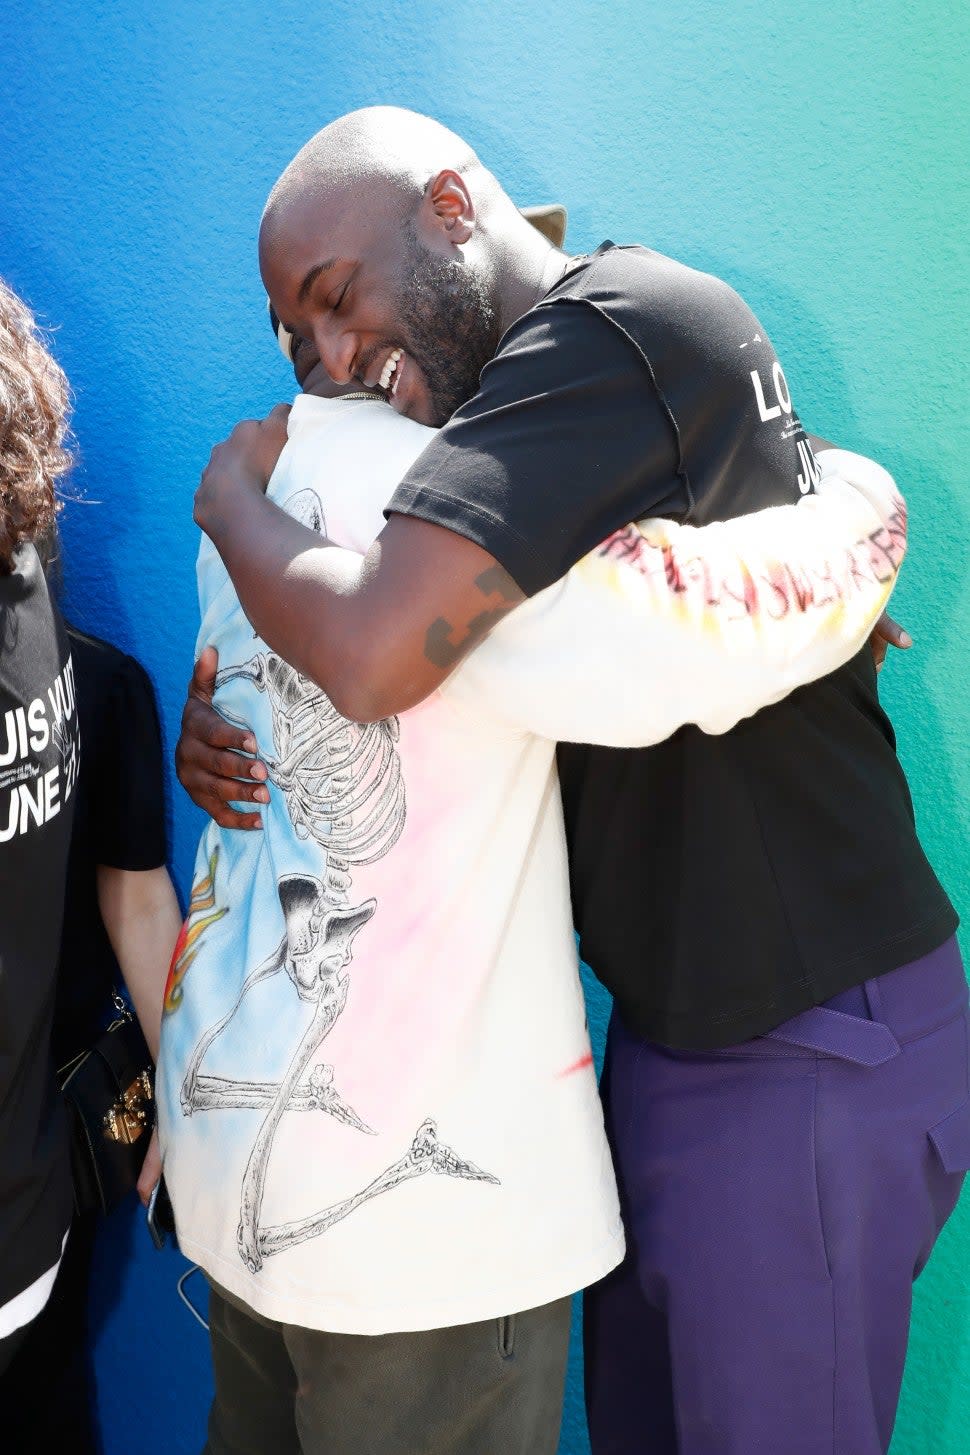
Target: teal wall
813	155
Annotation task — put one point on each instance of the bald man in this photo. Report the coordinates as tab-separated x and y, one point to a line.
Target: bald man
788	1056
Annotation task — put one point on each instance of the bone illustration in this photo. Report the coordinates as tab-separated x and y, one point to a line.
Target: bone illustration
343	787
315	948
317	964
306	507
341	780
426	1154
189	1091
317	1093
314	953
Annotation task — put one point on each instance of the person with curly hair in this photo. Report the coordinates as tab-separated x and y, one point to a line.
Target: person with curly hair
34	412
39	760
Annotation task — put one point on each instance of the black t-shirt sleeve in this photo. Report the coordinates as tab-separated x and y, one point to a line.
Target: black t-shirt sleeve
566	441
128	799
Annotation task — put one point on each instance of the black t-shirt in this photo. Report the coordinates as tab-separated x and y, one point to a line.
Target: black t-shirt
720	884
119	822
39	757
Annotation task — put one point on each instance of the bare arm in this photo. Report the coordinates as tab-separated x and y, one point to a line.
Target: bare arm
143	920
378	634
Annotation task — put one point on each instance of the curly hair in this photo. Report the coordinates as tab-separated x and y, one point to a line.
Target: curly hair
34	416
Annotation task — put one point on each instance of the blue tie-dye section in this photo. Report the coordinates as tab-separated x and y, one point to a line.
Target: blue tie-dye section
258	1042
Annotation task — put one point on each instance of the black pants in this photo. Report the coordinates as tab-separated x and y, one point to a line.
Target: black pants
493	1388
47	1387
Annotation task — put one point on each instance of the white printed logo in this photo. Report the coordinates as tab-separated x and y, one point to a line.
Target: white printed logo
35	796
782	395
810	474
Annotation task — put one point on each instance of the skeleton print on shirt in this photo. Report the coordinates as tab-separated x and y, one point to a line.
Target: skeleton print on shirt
344	789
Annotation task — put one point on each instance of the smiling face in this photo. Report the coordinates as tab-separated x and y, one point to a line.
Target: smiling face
386	292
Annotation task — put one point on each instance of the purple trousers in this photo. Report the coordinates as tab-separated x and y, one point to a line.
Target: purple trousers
780	1197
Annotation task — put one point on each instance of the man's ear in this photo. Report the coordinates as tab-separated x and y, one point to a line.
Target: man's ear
448	207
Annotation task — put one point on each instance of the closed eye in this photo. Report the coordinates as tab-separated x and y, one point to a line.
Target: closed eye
305	357
338	297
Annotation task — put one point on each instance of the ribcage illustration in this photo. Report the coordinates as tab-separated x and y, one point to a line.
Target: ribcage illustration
341	780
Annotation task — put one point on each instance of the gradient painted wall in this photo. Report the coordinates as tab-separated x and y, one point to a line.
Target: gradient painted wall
813	155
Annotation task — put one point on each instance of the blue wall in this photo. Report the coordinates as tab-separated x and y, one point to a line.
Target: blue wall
810	154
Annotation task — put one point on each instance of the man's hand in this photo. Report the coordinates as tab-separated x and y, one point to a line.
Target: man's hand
887	633
244	461
213	759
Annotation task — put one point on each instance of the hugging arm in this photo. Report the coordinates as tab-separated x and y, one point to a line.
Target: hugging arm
666	624
887	632
377	633
495	508
615	626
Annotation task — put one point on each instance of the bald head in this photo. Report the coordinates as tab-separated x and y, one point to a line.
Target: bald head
390	246
379	145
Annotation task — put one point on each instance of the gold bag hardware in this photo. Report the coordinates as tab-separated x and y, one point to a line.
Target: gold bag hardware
128	1117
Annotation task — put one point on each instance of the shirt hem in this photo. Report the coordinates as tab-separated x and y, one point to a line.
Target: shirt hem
314	1313
688	1031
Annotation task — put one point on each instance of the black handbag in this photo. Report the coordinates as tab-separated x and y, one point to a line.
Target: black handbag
110	1095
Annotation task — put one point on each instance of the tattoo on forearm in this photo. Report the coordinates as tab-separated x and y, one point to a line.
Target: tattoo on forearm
445	644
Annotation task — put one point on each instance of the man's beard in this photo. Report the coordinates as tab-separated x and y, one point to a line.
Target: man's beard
450	324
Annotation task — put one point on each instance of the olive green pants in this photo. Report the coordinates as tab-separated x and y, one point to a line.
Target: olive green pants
493	1388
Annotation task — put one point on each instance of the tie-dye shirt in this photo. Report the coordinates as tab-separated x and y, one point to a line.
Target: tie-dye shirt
376	1092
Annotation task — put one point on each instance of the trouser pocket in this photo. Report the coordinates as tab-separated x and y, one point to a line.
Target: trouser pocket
951	1138
950	1159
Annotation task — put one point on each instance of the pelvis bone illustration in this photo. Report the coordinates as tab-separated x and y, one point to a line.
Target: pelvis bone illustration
343	787
313	953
